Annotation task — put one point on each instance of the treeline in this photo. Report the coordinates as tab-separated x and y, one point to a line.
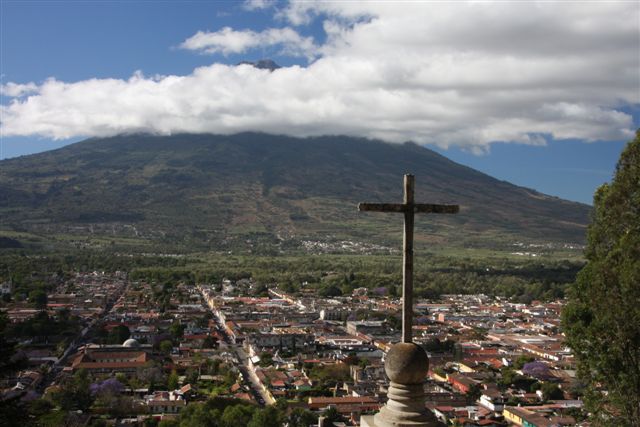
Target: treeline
335	275
331	275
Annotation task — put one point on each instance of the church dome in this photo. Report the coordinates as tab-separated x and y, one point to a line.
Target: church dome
131	343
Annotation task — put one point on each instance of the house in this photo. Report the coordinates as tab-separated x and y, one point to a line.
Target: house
291	339
524	417
367	327
492	399
165	402
461	382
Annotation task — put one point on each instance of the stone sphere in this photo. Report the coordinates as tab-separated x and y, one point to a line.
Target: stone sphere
406	363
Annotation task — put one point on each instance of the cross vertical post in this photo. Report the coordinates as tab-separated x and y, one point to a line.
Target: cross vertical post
409	208
407	261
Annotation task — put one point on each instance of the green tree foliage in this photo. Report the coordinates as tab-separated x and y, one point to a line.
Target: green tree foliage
74	394
266	359
40	407
519	279
176	330
331	415
474	393
478	334
209	342
434	345
40	328
12	414
289	287
166	346
328	291
329	375
301	418
199	415
510	378
602	317
237	415
261	291
551	391
522	360
118	335
225	412
7	348
38	298
172	381
56	419
267	417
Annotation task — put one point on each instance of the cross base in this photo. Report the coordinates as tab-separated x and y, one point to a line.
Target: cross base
370	421
405	408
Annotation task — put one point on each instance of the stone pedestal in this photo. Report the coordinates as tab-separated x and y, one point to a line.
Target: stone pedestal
406	366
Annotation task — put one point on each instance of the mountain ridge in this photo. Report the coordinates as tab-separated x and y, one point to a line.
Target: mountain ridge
273	186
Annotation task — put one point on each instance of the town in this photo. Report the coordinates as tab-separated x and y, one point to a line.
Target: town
116	351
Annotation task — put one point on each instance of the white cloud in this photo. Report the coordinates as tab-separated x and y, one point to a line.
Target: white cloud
15	90
227	41
258	4
445	73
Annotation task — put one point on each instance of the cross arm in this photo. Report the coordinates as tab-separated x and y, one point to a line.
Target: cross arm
432	208
381	207
401	208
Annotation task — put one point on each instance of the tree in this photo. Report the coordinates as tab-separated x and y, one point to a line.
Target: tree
118	335
149	375
176	330
266	359
393	291
7	348
38	298
209	342
602	317
75	394
331	415
166	346
237	415
172	381
289	287
267	417
261	291
551	391
108	396
328	291
198	415
474	393
300	417
478	334
522	360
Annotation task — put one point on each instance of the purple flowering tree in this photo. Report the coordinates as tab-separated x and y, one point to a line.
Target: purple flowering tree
536	369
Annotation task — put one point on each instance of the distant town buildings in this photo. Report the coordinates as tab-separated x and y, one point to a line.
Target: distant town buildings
493	362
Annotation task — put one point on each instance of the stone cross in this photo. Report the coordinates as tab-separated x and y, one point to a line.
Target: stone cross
409	209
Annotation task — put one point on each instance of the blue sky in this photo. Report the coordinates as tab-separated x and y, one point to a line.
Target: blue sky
514	93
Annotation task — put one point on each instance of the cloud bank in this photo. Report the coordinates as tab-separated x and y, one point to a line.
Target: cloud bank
444	73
